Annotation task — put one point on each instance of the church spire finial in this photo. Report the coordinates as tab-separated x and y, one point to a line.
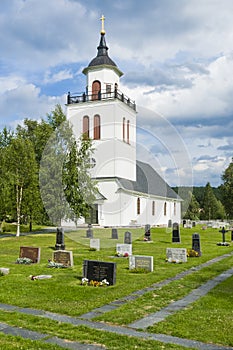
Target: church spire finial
102	27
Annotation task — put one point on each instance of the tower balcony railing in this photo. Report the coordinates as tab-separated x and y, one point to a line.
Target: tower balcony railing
100	96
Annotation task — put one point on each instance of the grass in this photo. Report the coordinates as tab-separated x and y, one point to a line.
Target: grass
64	294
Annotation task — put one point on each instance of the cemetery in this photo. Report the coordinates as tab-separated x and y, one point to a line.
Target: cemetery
124	298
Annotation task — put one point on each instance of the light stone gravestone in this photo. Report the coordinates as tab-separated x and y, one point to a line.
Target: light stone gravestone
95	243
32	253
124	248
142	262
177	254
64	257
89	233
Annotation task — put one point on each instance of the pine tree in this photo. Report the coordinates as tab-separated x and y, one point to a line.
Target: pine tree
227	190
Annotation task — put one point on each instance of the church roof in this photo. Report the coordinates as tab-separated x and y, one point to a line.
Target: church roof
148	182
102	55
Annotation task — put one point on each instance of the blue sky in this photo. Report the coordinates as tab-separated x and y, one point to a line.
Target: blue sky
177	60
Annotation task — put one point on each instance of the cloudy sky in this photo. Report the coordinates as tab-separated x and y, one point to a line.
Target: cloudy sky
177	59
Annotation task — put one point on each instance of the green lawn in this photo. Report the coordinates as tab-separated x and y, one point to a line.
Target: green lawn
64	294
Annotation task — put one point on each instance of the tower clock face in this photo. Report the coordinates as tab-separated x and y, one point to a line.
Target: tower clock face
93	162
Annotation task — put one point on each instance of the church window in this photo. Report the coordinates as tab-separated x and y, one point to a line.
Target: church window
108	88
153	208
86	126
128	124
174	208
96	90
96	127
138	206
165	209
123	126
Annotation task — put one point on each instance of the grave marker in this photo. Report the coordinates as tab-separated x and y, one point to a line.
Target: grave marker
30	253
177	254
114	233
175	233
99	270
143	262
123	249
128	237
147	232
196	245
95	243
89	233
60	244
169	225
64	257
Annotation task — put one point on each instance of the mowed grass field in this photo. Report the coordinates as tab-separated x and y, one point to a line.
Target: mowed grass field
208	320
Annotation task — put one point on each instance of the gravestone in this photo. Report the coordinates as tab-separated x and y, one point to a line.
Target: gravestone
169	225
60	245
147	232
223	231
184	223
128	237
175	233
63	257
179	254
89	233
114	233
122	249
194	224
142	262
196	245
95	243
99	270
30	253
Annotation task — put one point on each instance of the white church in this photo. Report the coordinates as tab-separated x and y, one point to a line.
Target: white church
131	192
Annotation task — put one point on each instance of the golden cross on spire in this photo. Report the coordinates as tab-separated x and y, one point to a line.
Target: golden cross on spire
102	29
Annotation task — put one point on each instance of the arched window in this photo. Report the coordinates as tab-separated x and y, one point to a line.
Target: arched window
153	208
128	124
138	206
96	90
174	208
86	126
96	127
123	129
165	209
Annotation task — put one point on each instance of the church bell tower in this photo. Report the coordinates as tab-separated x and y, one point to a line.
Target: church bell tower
107	116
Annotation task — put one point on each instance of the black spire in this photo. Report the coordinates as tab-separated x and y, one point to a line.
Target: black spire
102	55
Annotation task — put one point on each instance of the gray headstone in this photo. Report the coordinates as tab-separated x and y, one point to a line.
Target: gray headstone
89	233
128	238
139	261
169	223
114	233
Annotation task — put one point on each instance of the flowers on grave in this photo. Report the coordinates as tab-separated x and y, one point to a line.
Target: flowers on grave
55	264
224	244
122	255
92	283
174	261
25	261
192	253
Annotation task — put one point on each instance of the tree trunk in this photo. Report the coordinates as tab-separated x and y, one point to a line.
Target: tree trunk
19	195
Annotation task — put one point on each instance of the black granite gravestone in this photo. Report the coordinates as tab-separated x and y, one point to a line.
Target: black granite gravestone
128	238
89	233
194	224
175	233
60	244
99	270
184	223
147	232
196	245
114	233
